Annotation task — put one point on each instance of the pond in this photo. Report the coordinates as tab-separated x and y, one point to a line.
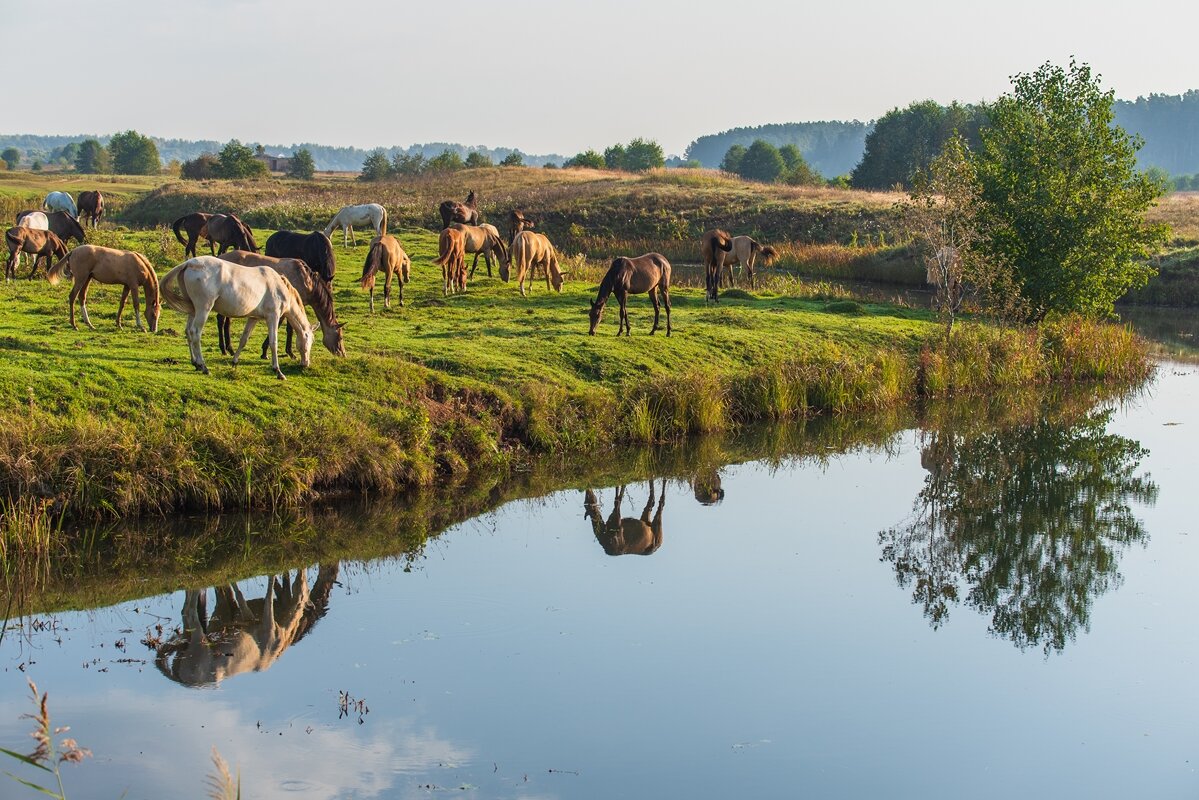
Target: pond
970	602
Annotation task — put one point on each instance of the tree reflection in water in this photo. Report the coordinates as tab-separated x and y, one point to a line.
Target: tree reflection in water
1025	523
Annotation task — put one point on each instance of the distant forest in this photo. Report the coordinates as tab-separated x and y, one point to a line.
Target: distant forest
830	148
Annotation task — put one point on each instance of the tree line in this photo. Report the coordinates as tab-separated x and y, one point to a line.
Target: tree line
762	161
636	156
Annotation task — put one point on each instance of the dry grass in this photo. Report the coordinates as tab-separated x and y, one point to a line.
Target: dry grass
1179	210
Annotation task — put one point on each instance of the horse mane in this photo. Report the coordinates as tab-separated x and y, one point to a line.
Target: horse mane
247	236
321	246
319	295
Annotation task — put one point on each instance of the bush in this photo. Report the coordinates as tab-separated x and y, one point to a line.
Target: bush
475	160
201	168
513	159
588	158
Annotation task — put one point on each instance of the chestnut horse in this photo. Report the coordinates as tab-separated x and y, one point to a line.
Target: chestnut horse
191	224
483	240
387	255
529	251
452	211
714	242
91	207
90	262
42	245
451	246
648	273
62	224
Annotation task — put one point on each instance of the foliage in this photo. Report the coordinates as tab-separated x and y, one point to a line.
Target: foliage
905	141
237	161
92	158
406	164
446	161
761	162
302	167
731	163
376	167
831	148
588	158
1168	124
36	166
1063	204
133	154
47	756
639	155
513	159
203	167
475	160
11	156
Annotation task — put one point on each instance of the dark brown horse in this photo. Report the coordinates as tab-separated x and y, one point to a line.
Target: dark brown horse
91	207
452	211
518	222
60	223
39	244
622	536
714	241
191	224
649	273
314	249
230	233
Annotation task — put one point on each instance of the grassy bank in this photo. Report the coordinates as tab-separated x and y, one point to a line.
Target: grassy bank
117	423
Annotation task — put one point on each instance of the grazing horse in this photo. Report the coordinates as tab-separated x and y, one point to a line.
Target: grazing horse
451	248
204	284
622	536
91	207
387	255
314	249
192	224
90	262
452	211
483	240
371	214
529	251
313	291
229	232
712	243
42	245
647	273
518	222
62	224
243	636
60	201
746	252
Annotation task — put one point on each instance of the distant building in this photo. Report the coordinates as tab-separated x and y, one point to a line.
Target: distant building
277	163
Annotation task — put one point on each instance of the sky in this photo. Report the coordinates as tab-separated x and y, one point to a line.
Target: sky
559	76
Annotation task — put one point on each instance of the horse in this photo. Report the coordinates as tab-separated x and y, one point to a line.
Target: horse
192	224
204	284
622	536
62	224
313	291
371	214
713	242
483	240
60	201
229	232
745	251
452	211
91	207
243	636
529	251
39	244
518	222
387	255
90	262
627	276
451	248
314	249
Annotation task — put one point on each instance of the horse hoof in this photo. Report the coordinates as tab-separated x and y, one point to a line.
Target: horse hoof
280	376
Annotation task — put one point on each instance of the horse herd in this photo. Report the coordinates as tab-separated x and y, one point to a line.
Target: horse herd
297	269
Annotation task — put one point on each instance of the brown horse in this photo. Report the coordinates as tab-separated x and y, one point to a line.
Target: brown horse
229	232
312	290
314	249
91	207
62	224
648	273
191	224
42	245
451	248
517	222
746	252
714	242
467	213
529	251
387	255
483	240
622	536
90	262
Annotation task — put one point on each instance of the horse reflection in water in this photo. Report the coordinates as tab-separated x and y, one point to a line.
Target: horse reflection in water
706	486
621	536
240	635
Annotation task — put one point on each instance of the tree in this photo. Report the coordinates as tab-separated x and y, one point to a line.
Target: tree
302	167
905	141
376	167
761	162
201	168
11	157
92	158
237	161
644	154
133	154
588	158
731	163
404	164
446	161
513	159
614	157
1063	204
475	160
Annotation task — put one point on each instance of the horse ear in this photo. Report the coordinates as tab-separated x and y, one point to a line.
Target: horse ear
341	325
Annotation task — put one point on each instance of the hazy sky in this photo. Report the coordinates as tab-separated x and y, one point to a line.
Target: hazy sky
556	76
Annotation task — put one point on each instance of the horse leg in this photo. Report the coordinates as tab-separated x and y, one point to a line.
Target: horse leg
137	320
623	298
71	302
372	298
386	291
272	332
245	337
487	260
220	335
653	298
664	291
83	303
121	306
35	259
195	326
290	354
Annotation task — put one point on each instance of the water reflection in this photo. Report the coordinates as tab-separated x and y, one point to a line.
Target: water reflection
622	536
1025	524
240	635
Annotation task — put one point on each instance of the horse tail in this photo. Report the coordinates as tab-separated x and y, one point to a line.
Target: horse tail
174	293
62	267
383	222
445	249
177	225
374	260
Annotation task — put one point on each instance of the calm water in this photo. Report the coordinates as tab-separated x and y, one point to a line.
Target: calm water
975	609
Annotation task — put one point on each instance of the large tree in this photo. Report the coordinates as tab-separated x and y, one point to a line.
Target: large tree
905	141
302	166
11	157
761	162
92	158
1063	203
133	154
237	161
376	167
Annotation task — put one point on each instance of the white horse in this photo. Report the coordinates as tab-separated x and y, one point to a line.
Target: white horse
371	214
60	201
36	220
206	284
